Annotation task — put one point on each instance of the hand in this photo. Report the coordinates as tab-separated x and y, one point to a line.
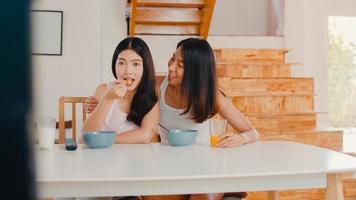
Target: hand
230	140
90	104
119	87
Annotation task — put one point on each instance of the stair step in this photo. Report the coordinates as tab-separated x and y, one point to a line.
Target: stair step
290	85
253	70
330	139
243	55
280	114
252	63
268	94
168	16
274	104
271	122
144	29
172	3
319	130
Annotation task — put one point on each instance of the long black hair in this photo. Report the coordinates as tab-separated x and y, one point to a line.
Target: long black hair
199	82
146	96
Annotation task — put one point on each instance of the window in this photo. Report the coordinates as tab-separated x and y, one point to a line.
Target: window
342	76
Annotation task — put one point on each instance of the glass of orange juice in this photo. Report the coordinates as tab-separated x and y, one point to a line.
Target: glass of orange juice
217	127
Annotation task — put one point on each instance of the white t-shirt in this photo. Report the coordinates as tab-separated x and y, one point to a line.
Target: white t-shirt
170	118
115	120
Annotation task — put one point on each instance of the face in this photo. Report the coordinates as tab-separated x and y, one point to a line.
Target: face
176	68
129	68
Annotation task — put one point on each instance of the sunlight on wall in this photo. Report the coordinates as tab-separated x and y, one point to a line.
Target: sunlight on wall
342	71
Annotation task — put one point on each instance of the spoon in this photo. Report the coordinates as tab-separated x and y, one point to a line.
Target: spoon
164	127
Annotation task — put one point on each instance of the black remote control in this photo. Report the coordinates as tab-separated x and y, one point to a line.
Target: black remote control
70	144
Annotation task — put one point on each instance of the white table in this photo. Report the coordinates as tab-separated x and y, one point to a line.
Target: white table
160	169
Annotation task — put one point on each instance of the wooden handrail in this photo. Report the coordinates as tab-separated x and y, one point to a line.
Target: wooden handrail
207	15
179	17
133	17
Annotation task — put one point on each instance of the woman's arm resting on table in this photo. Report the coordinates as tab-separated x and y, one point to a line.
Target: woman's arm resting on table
233	116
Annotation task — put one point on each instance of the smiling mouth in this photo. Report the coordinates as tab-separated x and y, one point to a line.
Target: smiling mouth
129	81
172	76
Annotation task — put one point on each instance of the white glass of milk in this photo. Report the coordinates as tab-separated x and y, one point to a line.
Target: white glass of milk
46	128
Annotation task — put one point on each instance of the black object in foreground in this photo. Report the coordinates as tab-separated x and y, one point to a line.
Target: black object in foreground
70	144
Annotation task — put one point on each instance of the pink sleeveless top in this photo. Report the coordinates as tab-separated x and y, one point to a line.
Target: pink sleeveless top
115	120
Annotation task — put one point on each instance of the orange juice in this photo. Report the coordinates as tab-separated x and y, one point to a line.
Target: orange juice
214	140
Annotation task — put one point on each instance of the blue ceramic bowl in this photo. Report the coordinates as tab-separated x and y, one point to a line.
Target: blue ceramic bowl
179	137
99	139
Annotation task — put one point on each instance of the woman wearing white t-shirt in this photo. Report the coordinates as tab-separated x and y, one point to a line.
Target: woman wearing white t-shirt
190	96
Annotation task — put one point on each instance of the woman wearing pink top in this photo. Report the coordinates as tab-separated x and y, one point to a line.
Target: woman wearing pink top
128	105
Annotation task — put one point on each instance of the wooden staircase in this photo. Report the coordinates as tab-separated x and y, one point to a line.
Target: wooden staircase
281	107
171	17
260	85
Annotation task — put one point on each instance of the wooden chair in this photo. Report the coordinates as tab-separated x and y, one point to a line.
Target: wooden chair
73	125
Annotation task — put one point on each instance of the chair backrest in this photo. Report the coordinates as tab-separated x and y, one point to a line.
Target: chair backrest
74	101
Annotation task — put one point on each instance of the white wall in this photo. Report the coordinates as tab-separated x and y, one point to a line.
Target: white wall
77	71
240	17
113	27
306	28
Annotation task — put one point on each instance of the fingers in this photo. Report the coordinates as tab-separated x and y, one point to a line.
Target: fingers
229	140
225	135
89	108
90	100
90	104
119	87
120	90
117	82
227	144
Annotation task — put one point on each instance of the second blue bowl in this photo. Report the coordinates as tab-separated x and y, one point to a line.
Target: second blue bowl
179	137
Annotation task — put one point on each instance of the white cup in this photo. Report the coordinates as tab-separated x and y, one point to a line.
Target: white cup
46	129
